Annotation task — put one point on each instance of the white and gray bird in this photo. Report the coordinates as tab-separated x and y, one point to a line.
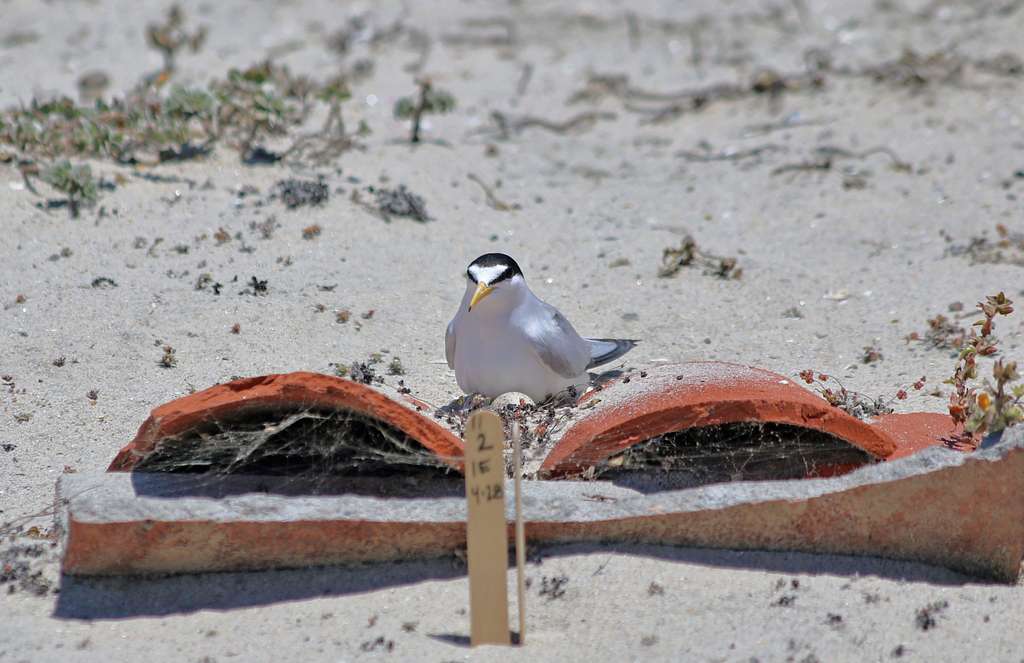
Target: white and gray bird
504	338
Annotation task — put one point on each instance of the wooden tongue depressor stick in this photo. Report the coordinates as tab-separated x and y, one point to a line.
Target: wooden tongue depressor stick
486	532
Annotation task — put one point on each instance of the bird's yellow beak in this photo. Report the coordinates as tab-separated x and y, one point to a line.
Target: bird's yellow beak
482	290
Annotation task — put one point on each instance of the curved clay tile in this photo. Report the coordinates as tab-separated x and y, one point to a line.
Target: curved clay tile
915	431
281	391
677	397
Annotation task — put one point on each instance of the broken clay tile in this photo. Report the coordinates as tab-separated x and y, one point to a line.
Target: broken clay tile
960	511
915	431
281	392
676	397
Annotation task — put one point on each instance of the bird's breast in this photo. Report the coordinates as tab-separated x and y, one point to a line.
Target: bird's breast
492	359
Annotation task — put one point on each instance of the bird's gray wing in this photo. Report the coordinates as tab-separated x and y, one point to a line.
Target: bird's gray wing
449	344
555	341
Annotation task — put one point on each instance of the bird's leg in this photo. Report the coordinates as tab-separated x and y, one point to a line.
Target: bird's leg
475	401
567	397
465	405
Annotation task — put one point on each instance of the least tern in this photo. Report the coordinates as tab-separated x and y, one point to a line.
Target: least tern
504	338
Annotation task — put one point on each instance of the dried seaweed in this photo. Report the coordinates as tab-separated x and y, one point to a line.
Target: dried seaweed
401	202
688	254
298	193
1007	248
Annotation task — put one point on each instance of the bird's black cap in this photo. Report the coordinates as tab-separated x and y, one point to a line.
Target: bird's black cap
492	268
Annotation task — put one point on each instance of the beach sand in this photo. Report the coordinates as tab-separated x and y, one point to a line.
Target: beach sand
838	249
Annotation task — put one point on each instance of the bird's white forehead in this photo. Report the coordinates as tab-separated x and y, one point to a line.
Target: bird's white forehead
486	274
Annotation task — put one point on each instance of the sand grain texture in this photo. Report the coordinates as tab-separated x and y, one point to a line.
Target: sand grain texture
854	249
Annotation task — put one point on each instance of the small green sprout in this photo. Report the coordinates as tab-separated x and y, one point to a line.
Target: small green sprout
429	100
76	182
187	103
170	37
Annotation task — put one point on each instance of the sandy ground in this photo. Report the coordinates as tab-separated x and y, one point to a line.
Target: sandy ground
855	248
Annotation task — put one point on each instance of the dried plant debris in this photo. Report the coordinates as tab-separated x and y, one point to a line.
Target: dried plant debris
505	126
704	153
484	32
299	193
256	287
400	202
303	443
659	107
538	423
730	452
1007	248
917	70
910	70
18	570
943	333
205	281
793	312
553	587
266	227
492	199
871	354
379	643
362	372
925	618
395	367
852	402
824	158
688	254
363	29
169	358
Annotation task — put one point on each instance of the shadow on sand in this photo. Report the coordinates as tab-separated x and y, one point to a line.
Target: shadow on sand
123	597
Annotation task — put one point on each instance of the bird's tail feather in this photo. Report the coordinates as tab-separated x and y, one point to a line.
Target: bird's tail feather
604	350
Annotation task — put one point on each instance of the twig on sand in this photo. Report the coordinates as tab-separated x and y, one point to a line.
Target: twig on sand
524	79
507	125
707	156
789	122
910	70
492	200
827	155
637	100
